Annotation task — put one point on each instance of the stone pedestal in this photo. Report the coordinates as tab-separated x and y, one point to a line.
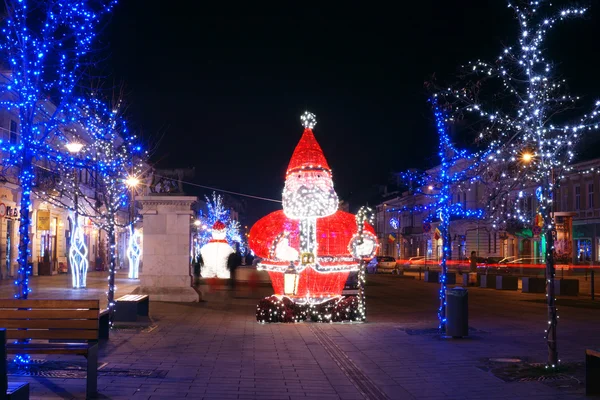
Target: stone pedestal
166	275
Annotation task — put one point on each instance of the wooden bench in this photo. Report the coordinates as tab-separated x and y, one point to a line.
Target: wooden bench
131	306
13	390
592	372
54	327
104	325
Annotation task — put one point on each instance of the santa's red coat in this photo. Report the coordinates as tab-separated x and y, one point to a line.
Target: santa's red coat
334	234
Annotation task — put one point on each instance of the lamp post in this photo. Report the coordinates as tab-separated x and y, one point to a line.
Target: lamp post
196	244
133	248
77	248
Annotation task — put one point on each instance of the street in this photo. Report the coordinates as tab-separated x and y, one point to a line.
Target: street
216	350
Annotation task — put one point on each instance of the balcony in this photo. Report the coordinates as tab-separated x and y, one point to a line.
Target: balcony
45	179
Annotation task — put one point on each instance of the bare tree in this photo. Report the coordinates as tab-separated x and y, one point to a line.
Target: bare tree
113	158
531	126
46	43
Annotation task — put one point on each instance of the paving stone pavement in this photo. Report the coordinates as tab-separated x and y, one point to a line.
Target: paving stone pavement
216	350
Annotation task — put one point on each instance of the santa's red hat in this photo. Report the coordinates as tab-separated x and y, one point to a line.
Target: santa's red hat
308	154
218	226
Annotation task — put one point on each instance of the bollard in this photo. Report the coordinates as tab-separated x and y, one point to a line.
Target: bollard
592	278
420	273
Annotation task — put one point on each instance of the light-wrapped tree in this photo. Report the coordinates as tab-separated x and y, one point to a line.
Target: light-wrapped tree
529	123
46	44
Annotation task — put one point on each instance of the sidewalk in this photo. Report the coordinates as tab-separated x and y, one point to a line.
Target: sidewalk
59	287
216	350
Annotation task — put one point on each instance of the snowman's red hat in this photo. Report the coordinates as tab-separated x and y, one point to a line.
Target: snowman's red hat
218	226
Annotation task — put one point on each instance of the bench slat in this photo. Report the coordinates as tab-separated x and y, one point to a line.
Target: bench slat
588	352
133	297
34	344
66	334
10	303
50	323
47	350
49	314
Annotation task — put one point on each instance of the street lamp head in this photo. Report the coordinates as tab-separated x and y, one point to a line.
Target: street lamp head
74	147
132	181
527	157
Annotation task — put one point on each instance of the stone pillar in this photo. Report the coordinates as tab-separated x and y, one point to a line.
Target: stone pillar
166	249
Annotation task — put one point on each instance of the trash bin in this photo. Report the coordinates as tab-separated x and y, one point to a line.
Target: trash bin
457	312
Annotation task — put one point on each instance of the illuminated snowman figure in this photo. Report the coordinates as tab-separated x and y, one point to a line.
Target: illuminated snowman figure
215	253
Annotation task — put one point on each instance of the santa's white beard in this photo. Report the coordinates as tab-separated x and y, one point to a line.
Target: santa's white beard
307	202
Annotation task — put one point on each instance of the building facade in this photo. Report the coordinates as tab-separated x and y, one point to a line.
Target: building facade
50	229
404	233
579	199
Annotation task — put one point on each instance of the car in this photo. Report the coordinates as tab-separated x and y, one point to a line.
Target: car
421	260
510	264
382	264
414	260
351	288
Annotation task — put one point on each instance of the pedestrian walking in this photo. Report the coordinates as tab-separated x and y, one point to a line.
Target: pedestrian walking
473	266
232	264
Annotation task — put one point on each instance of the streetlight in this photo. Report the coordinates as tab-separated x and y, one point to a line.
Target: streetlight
527	157
132	181
197	222
133	248
74	147
77	248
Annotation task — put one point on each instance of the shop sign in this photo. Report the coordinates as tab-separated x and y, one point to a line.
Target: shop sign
12	212
43	220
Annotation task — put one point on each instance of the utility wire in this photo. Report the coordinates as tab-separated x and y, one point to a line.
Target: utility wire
195	184
223	191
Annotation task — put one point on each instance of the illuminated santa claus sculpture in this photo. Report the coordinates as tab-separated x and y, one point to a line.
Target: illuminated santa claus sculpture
310	247
215	253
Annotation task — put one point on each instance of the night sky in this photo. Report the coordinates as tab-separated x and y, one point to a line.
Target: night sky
225	87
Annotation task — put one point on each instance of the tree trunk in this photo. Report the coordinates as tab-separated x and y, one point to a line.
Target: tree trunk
26	181
112	262
550	275
446	246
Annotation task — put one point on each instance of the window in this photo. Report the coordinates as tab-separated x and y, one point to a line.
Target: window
577	197
13	132
590	203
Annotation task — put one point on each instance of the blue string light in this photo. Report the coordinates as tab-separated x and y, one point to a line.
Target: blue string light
456	166
530	125
216	211
45	59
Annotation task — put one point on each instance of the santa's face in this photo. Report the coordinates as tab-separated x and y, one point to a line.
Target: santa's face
219	235
309	194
